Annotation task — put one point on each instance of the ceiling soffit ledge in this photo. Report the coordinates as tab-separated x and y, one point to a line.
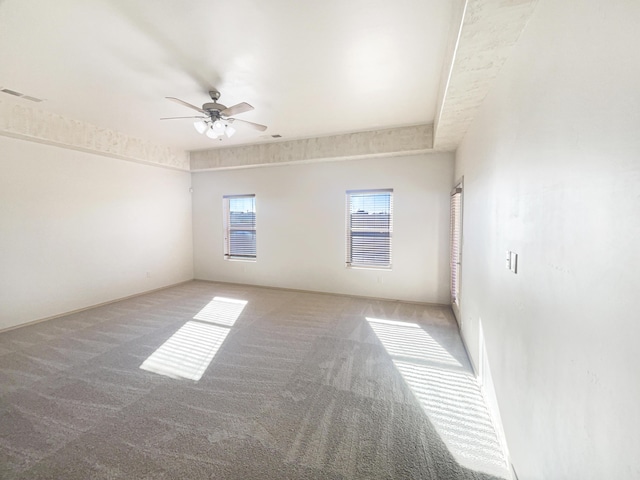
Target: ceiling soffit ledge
375	143
28	123
488	32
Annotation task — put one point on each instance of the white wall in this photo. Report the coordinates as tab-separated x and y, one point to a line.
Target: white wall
77	229
552	171
301	226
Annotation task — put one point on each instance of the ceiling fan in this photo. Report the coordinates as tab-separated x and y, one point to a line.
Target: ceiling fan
216	120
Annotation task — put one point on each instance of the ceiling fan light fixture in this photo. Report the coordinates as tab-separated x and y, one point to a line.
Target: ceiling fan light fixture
229	131
200	126
218	127
215	119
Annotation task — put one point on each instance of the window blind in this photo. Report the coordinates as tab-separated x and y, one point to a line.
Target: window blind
455	239
369	228
240	226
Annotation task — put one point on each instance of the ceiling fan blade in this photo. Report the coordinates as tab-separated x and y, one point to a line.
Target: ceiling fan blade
255	126
236	109
174	118
182	102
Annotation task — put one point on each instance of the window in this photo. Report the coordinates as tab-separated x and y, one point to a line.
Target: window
456	243
369	227
240	226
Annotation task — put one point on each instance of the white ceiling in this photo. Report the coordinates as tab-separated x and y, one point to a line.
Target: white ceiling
310	68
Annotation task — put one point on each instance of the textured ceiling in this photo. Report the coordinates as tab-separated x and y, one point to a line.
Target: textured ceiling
489	30
309	68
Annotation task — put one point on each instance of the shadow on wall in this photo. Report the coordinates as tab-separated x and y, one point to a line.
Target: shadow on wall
447	391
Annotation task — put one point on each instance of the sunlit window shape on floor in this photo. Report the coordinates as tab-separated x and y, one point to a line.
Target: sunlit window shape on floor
404	339
221	310
448	393
188	352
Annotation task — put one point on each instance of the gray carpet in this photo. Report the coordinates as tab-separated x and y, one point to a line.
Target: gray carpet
299	386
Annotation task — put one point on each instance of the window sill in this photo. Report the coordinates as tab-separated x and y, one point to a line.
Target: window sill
366	267
240	259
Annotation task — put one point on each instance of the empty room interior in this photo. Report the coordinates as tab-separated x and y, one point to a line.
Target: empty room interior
319	240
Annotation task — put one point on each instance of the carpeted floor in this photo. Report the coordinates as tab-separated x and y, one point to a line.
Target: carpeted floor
218	381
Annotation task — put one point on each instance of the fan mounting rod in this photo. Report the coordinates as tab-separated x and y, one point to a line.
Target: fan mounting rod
214	108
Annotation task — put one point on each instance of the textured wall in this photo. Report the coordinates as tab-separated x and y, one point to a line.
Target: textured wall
78	229
301	226
404	140
23	121
552	172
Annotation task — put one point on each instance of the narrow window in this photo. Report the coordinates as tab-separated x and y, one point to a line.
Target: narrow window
369	228
456	243
240	226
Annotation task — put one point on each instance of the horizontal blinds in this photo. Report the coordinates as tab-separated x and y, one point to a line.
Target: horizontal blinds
456	204
240	234
369	227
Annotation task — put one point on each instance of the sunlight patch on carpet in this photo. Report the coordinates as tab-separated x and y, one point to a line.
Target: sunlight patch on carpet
406	339
221	310
448	393
188	352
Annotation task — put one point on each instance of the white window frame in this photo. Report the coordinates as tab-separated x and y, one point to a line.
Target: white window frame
228	228
455	245
351	229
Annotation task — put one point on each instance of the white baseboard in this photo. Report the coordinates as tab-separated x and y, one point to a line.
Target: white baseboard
348	295
71	312
483	376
